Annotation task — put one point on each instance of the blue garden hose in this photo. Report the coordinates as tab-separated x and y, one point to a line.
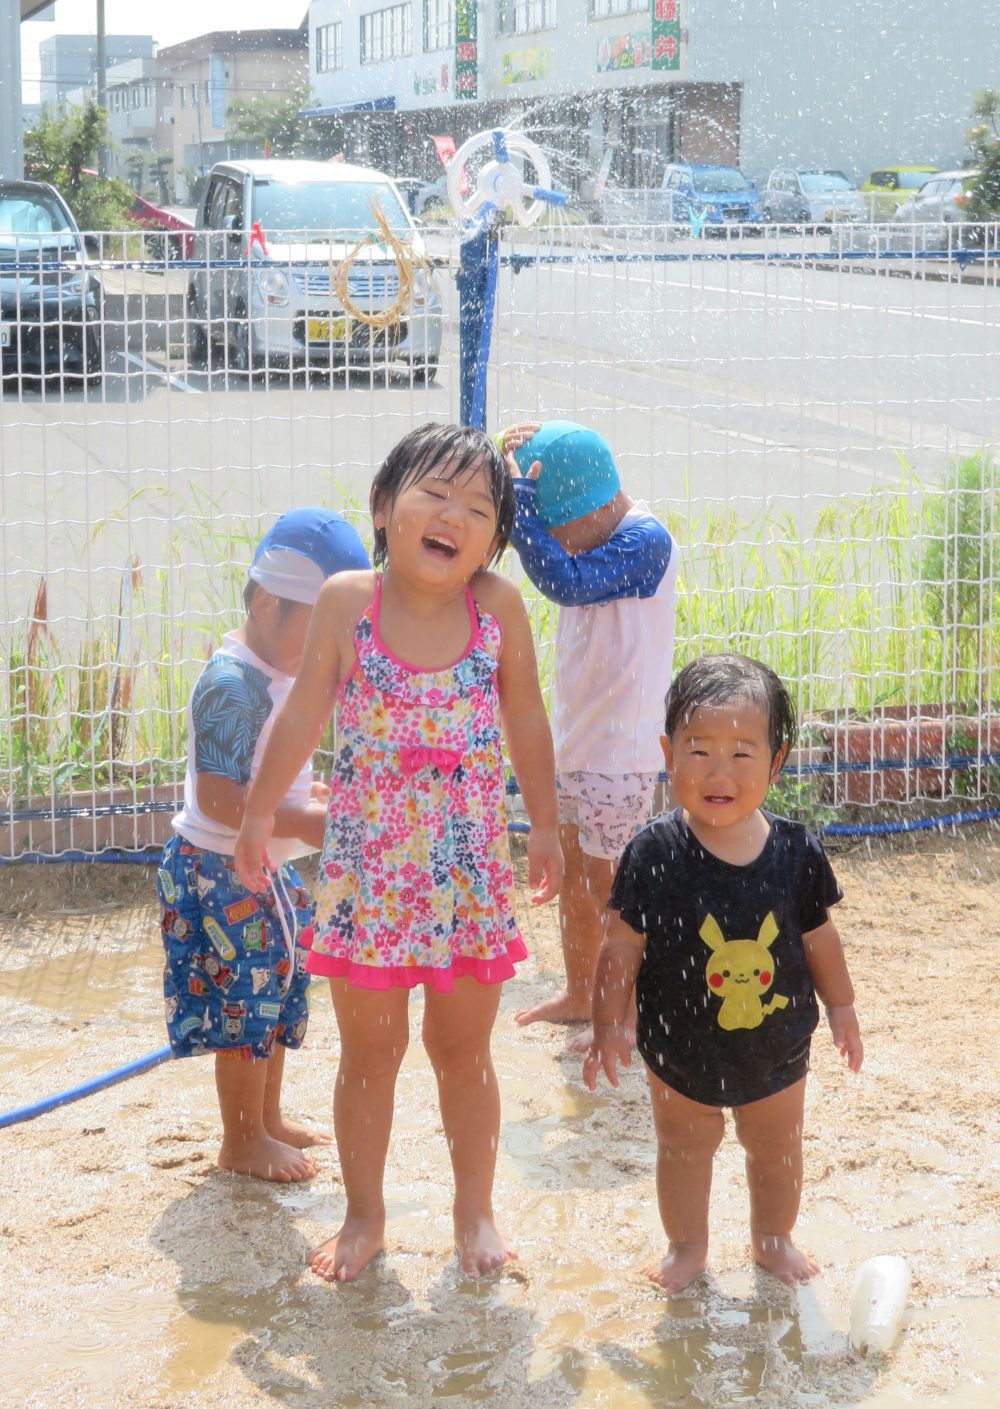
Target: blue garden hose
87	1088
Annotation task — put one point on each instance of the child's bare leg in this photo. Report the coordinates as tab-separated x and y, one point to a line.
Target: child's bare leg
687	1137
247	1146
770	1131
374	1030
292	1132
582	902
600	874
457	1028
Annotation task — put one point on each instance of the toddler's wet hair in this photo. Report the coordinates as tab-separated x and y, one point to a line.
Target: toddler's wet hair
450	452
718	680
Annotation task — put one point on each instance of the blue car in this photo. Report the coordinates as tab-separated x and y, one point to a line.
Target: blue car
710	196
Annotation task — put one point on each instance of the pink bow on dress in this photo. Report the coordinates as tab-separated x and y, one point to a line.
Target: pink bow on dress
419	756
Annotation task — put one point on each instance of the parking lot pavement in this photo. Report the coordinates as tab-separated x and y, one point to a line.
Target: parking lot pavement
777	386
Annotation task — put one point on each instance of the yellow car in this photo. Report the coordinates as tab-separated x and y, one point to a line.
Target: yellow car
889	187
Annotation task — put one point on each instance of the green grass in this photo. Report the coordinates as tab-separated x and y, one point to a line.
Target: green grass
889	598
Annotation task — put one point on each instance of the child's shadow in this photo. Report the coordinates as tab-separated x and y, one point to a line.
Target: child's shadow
771	1347
249	1303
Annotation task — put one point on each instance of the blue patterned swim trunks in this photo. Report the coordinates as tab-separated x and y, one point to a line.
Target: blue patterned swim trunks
230	981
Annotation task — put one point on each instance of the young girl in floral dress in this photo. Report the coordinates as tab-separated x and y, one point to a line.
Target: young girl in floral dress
423	663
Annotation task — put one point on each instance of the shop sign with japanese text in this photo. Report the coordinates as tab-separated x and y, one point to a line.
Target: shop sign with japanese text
666	34
624	51
466	50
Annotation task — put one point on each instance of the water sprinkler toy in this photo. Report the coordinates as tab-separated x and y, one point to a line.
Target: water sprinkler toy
500	186
498	189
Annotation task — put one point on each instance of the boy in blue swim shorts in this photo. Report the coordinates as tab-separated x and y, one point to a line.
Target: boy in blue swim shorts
235	979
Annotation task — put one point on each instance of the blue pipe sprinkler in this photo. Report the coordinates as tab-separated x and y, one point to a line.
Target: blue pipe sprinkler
499	187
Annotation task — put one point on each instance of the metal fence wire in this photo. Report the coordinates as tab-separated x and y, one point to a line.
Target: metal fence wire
813	413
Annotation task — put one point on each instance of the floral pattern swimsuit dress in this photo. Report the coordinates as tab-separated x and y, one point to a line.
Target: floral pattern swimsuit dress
415	880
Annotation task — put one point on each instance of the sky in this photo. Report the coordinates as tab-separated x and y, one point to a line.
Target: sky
178	20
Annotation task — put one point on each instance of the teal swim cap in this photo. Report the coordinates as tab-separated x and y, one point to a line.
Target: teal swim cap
578	473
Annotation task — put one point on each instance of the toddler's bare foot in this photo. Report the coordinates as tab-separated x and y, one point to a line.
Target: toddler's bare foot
480	1247
345	1256
561	1009
299	1136
266	1158
682	1264
581	1041
779	1255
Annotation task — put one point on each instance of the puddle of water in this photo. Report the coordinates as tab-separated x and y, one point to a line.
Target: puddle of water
87	984
109	1334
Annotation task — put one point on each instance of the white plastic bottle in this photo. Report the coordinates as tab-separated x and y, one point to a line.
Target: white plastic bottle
880	1291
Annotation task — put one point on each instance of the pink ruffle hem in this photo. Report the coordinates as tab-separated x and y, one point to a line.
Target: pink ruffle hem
409	976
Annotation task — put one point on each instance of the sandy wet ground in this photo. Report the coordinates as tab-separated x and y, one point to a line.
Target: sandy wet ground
134	1273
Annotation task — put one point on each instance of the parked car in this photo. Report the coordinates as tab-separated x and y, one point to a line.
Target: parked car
930	218
889	187
421	194
174	243
279	229
721	195
51	300
810	196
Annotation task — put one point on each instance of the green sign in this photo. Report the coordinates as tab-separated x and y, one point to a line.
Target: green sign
466	50
666	34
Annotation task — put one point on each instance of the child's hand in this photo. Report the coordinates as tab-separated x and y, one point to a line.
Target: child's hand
545	864
846	1034
516	436
513	438
250	854
610	1046
319	792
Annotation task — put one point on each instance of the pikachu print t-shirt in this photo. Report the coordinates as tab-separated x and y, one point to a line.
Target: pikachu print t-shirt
726	1004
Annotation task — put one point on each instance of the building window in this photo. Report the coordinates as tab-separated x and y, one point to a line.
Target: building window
386	34
522	16
329	47
606	9
439	25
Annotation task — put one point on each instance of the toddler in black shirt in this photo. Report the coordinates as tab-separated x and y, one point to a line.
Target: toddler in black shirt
720	920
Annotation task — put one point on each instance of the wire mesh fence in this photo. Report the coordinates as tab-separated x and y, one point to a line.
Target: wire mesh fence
813	413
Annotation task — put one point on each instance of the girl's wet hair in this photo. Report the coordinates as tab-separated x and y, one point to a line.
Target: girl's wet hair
718	680
449	452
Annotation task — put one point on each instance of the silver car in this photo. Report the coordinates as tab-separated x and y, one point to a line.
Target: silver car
274	235
809	196
935	217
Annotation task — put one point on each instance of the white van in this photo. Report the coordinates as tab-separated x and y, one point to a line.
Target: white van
273	234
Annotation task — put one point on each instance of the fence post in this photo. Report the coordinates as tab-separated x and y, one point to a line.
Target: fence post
477	278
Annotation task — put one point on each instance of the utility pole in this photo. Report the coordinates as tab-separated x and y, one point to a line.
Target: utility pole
102	84
11	146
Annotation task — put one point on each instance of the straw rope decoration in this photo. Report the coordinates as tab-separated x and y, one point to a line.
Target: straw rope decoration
408	264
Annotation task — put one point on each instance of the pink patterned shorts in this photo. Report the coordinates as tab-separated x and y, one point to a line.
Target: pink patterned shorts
606	808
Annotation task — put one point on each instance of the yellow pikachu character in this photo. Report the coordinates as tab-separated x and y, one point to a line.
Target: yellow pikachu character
739	972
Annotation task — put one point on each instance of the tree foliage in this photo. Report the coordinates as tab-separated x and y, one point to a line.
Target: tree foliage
277	125
63	148
984	145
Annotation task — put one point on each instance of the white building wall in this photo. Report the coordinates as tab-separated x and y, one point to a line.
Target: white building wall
854	85
568	58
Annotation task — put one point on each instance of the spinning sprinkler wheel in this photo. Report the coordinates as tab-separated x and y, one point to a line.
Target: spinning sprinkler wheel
499	188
